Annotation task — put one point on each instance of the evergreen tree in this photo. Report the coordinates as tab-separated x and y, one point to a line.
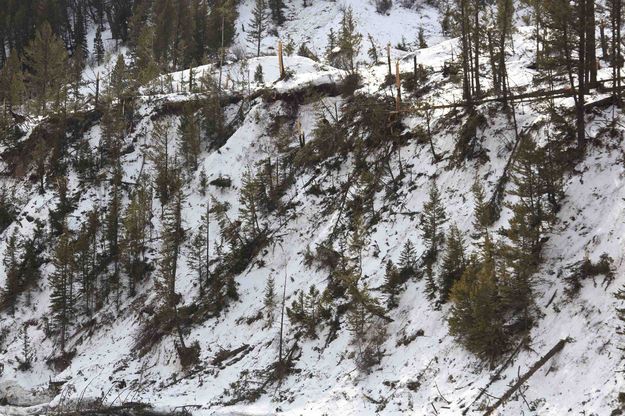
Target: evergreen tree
161	157
481	210
422	43
258	24
13	284
85	259
200	29
477	315
432	219
392	284
145	68
172	238
349	41
250	205
61	282
134	241
25	361
454	263
189	141
277	11
98	47
11	82
198	258
258	74
46	59
112	228
80	50
407	261
269	300
164	27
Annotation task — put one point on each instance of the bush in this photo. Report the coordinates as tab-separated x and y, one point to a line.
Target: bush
189	356
587	269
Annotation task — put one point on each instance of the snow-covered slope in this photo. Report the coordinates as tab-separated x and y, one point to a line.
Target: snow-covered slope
432	374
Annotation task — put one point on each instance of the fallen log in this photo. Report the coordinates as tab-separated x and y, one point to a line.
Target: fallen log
553	351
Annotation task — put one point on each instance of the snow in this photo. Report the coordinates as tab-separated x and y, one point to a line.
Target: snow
584	377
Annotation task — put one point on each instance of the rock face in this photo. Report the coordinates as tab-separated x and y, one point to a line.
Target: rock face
12	394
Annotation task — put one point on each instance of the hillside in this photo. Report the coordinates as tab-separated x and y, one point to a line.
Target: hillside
346	180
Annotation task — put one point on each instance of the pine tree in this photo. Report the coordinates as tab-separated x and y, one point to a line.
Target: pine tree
258	24
477	314
277	11
454	263
145	68
172	239
269	300
161	157
189	141
481	210
422	43
407	261
432	219
250	205
258	74
46	59
25	361
13	284
61	281
98	47
392	284
85	258
331	46
349	41
12	82
134	241
31	261
80	50
164	27
200	29
198	254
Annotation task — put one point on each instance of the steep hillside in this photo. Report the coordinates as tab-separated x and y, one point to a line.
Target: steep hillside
348	179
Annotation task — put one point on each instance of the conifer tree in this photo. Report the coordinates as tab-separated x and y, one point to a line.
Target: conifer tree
61	281
198	258
349	41
432	219
25	361
258	24
250	205
392	284
112	228
46	59
98	47
407	261
135	226
477	314
269	300
481	211
85	259
164	27
13	280
200	29
161	157
277	11
145	68
189	141
258	74
11	82
31	260
172	239
80	50
453	262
